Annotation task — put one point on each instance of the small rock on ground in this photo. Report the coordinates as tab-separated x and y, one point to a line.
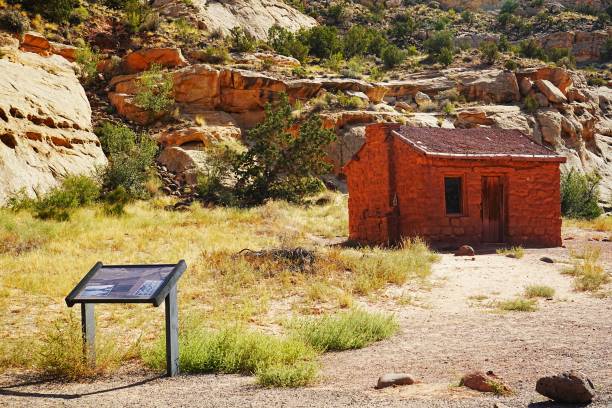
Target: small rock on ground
571	387
465	250
485	382
393	379
547	259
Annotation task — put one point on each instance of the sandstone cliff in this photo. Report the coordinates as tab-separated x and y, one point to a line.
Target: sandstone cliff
254	16
45	122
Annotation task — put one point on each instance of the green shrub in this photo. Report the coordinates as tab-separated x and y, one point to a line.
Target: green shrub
336	13
467	17
87	60
185	31
242	41
350	102
215	55
287	43
392	56
275	361
14	22
509	6
115	202
280	165
403	27
155	91
335	62
78	15
489	52
360	40
511	65
531	104
531	49
344	331
324	41
440	47
59	203
131	159
580	194
57	11
138	15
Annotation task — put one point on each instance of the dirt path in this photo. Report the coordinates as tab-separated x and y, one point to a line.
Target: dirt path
445	332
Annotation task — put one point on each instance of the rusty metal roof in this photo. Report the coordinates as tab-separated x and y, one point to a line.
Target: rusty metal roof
476	143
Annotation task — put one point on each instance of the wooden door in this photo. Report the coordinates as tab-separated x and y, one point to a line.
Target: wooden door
493	210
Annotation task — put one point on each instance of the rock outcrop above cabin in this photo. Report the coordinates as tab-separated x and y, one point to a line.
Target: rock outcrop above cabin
45	123
254	16
571	117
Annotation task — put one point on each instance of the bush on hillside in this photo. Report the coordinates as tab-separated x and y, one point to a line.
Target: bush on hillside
131	159
58	11
287	43
60	202
242	41
489	52
392	56
279	164
324	41
87	60
403	27
14	22
440	47
155	91
580	194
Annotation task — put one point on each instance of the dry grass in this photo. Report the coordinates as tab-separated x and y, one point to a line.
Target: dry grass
43	260
517	305
539	291
516	252
589	274
602	224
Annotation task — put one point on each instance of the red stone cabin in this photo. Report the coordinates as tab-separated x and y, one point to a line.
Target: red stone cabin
454	186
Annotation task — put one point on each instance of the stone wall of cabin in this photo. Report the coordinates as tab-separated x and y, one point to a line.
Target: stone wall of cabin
411	202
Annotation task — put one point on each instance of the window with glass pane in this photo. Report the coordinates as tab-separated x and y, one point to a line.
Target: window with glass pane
453	194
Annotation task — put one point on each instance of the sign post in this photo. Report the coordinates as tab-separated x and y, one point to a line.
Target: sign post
151	284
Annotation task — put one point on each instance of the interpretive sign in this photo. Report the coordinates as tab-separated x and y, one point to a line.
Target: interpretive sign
130	284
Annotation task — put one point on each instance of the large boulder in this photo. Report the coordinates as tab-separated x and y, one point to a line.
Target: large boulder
45	124
489	86
187	161
551	92
497	116
142	60
570	387
559	77
254	16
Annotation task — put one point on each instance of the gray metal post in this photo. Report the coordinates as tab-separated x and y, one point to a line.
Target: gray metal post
172	346
88	327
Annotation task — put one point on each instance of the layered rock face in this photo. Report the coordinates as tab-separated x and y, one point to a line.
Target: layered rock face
570	117
584	45
254	16
45	123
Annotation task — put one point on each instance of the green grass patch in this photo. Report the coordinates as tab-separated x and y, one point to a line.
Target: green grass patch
539	291
518	305
353	329
274	361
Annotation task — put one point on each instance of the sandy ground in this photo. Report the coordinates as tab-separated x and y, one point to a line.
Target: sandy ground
444	334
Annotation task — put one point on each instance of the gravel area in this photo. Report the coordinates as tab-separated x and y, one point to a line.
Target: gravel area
445	332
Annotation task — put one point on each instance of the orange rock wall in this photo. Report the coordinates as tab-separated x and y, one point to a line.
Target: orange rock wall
395	192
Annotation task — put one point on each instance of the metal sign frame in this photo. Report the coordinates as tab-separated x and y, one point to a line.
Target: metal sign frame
166	293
